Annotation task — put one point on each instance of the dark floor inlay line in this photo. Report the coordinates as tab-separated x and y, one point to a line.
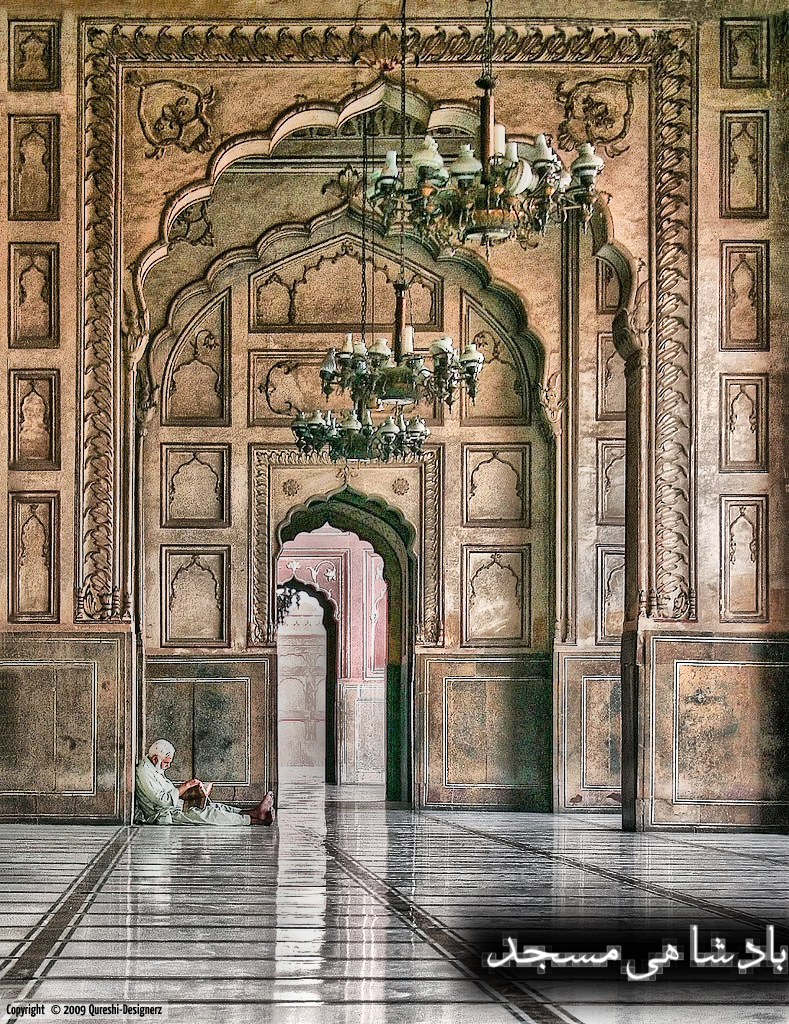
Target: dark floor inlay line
696	902
24	967
518	1002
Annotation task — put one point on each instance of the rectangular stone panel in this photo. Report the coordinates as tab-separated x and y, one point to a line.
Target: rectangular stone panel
195	596
745	296
496	732
34	420
610	379
49	715
601	732
64	726
589	740
496	596
34	563
610	482
218	714
610	593
730	737
487	724
195	486
34	56
743	423
222	730
744	558
497	485
34	167
744	53
744	163
719	737
169	716
34	295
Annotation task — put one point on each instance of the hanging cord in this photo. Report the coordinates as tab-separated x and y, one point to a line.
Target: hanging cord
364	226
487	41
371	143
403	53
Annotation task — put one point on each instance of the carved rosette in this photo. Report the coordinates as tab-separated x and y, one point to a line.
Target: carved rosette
106	47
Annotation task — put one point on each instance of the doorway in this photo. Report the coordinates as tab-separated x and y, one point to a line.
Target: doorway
332	601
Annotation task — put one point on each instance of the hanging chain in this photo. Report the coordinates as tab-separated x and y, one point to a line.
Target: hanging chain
403	53
364	225
487	41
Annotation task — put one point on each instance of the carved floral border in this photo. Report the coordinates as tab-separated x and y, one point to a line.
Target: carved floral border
104	47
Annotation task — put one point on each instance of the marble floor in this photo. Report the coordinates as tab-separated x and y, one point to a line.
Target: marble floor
350	911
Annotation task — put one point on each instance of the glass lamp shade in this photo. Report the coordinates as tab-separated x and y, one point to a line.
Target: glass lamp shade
428	162
466	167
587	165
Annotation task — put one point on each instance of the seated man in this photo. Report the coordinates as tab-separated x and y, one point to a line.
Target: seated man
160	802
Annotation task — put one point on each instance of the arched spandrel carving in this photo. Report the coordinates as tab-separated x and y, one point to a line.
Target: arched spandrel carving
196	384
504	379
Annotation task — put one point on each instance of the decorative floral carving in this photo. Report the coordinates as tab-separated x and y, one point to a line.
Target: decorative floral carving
401	486
290	487
172	113
193	225
597	110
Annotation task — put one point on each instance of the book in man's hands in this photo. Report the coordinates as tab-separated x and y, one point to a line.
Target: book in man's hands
194	799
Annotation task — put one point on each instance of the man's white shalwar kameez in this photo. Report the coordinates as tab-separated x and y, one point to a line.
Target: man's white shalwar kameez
157	802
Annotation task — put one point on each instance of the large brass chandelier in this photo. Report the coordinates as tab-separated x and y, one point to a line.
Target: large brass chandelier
512	191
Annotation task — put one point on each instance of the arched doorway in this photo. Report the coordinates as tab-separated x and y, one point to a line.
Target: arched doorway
392	538
307	656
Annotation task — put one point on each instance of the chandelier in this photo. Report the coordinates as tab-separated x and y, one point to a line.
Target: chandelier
513	191
377	376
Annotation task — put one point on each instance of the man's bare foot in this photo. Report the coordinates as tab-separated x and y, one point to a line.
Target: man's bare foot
263	814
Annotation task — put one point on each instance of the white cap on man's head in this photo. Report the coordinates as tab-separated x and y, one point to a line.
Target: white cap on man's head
160	749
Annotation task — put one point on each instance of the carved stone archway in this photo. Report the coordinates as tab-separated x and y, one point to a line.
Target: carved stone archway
392	538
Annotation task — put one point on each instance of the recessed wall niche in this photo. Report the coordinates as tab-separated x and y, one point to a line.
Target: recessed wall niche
195	596
610	379
33	167
33	289
195	480
743	163
34	420
503	380
33	564
743	423
610	593
496	596
496	485
745	294
744	53
33	56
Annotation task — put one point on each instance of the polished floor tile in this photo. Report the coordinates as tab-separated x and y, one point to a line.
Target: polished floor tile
351	912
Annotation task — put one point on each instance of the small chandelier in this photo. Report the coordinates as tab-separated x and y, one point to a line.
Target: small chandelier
379	376
503	195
